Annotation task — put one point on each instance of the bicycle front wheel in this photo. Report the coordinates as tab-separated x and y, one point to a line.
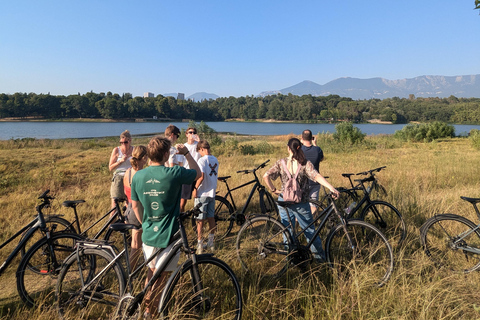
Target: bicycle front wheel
223	217
452	242
102	289
54	224
207	289
387	219
38	270
359	249
263	245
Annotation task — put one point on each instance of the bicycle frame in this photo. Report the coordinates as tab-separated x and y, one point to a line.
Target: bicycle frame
326	213
105	226
256	187
180	241
37	223
250	196
33	226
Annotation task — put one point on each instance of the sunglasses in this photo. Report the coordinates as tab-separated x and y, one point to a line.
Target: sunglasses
191	132
124	142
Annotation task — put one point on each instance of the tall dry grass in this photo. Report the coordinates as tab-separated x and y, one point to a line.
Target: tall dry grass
421	179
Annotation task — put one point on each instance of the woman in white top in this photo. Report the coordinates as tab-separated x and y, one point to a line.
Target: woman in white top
119	163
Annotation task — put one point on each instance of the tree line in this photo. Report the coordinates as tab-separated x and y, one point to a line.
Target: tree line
308	108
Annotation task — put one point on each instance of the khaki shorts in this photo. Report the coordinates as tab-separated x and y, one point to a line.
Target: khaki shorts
116	189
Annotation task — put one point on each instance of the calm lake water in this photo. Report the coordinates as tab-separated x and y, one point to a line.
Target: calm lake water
60	130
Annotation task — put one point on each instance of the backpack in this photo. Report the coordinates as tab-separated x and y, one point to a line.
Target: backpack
291	189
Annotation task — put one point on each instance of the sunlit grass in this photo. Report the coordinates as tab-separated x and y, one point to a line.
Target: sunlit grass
421	179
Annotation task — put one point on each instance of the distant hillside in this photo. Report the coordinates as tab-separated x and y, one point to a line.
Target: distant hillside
200	96
423	86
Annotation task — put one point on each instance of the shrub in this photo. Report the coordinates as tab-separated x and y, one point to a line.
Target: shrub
426	132
474	137
346	133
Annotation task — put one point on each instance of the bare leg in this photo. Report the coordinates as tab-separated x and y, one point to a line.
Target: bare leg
183	202
152	298
136	251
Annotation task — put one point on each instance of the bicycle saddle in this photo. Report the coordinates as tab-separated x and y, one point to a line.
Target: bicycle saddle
471	200
72	203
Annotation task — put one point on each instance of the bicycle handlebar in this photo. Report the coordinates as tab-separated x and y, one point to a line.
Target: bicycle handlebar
45	196
195	211
253	170
371	171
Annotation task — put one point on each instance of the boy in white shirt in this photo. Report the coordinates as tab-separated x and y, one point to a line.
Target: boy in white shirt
204	193
191	144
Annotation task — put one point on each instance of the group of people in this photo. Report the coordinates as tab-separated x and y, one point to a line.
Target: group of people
158	193
177	172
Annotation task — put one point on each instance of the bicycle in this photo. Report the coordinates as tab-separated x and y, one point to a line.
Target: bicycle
226	211
453	241
202	286
41	262
379	213
25	286
265	246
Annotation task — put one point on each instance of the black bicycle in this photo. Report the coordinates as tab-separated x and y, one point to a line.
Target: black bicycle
226	211
268	248
26	285
379	213
453	241
37	271
201	287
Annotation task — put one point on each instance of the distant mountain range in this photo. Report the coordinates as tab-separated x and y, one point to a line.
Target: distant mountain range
423	86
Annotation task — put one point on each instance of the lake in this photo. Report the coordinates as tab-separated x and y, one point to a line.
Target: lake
60	130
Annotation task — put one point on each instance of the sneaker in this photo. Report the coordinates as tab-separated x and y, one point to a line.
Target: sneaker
200	248
210	244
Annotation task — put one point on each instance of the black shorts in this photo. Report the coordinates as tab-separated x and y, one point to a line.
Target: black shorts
187	191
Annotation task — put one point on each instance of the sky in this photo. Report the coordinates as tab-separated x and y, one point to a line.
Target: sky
228	48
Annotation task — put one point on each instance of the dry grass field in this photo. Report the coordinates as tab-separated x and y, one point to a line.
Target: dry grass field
421	179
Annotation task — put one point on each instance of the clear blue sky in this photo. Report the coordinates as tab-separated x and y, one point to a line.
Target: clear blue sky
230	48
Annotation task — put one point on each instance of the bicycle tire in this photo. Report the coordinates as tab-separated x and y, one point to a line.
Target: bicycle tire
223	217
438	235
104	294
54	224
37	272
368	256
219	298
263	245
387	219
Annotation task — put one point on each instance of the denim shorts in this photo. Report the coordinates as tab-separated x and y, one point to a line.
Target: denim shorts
207	208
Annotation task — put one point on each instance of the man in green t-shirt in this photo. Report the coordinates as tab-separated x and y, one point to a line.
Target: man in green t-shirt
156	192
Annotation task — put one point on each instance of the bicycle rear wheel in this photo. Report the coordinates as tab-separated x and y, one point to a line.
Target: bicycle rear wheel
206	290
452	242
223	217
361	250
103	286
38	270
387	219
263	245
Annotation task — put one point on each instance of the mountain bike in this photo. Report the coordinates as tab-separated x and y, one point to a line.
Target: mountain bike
268	248
32	262
226	211
453	241
41	262
201	287
379	213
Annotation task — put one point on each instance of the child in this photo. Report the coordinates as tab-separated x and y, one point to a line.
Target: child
204	193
